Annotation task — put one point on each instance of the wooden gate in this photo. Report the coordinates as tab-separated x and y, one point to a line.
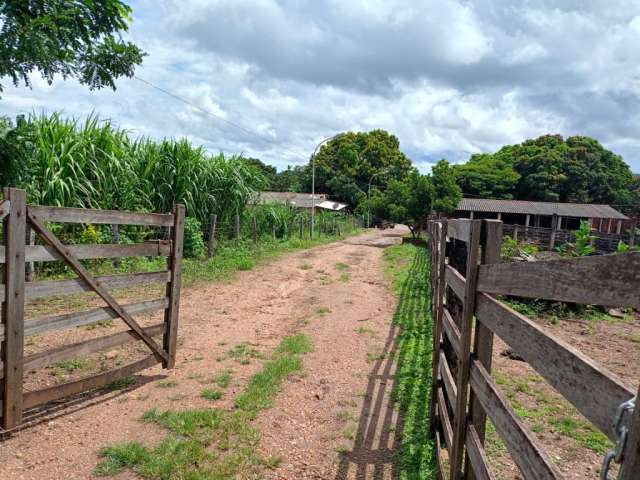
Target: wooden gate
467	278
18	216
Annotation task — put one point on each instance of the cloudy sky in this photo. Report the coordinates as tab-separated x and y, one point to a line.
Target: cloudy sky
449	78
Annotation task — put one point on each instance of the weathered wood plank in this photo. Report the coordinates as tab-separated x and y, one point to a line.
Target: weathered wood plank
103	217
491	240
455	281
172	313
464	359
39	397
439	462
83	273
5	207
447	379
451	331
459	228
631	455
43	359
532	461
477	456
612	280
35	290
445	421
15	228
77	319
42	253
593	390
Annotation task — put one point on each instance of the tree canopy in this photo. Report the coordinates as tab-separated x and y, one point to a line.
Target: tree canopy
346	164
549	168
72	38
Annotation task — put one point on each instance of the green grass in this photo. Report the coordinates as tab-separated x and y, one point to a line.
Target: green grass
70	365
223	379
342	266
121	383
322	311
211	443
211	394
408	268
345	277
243	353
167	384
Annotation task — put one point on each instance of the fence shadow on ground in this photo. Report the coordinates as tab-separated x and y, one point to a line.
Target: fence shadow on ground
392	439
69	405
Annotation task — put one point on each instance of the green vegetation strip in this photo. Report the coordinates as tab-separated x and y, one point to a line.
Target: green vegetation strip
408	267
211	443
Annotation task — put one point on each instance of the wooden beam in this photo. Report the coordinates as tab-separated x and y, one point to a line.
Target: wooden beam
77	319
174	264
102	217
478	460
451	331
445	421
631	454
464	359
87	347
532	461
55	392
459	228
613	280
593	390
447	379
5	208
83	273
456	281
15	228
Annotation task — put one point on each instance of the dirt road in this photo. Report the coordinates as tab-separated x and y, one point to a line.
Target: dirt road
336	294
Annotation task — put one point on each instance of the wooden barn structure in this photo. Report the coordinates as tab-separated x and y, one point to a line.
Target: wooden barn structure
553	215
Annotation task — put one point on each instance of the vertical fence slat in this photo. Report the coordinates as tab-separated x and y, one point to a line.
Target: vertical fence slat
173	287
14	236
631	455
438	246
483	339
211	241
464	361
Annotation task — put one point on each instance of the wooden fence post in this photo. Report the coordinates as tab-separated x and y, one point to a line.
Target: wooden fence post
483	340
439	248
115	238
464	362
211	241
236	232
631	455
554	228
254	227
15	229
174	262
632	234
30	268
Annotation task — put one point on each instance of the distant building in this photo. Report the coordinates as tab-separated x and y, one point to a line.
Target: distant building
301	200
558	216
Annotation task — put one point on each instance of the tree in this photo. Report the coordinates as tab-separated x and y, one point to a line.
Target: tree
486	176
405	201
550	168
270	172
346	164
446	192
72	38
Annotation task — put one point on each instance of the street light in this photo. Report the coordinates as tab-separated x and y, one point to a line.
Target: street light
369	196
313	180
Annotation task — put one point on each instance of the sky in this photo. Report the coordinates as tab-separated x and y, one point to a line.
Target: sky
449	78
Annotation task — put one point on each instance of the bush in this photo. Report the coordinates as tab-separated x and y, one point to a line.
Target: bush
193	240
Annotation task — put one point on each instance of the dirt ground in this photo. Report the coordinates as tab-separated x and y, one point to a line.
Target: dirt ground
333	421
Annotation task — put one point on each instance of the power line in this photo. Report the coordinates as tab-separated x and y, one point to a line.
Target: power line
218	117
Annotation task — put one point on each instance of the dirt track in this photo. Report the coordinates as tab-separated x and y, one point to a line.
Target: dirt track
346	311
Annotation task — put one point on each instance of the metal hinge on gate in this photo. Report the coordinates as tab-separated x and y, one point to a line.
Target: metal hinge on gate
621	432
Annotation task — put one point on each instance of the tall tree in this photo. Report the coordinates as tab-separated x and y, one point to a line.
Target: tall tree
405	201
72	38
486	176
446	192
346	164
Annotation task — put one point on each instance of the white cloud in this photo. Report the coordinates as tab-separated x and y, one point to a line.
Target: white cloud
449	78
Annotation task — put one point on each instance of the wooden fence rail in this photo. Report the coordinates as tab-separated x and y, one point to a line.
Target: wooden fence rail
466	281
18	218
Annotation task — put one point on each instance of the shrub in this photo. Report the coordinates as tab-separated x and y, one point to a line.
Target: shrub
193	240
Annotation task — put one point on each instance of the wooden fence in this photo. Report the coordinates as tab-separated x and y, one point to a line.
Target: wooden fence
467	279
16	253
549	239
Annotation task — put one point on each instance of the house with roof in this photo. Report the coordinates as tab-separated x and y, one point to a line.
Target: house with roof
303	201
554	215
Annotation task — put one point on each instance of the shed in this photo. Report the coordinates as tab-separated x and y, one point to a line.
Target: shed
603	218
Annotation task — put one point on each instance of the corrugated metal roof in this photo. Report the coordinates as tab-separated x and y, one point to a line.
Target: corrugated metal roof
329	205
585	210
302	200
